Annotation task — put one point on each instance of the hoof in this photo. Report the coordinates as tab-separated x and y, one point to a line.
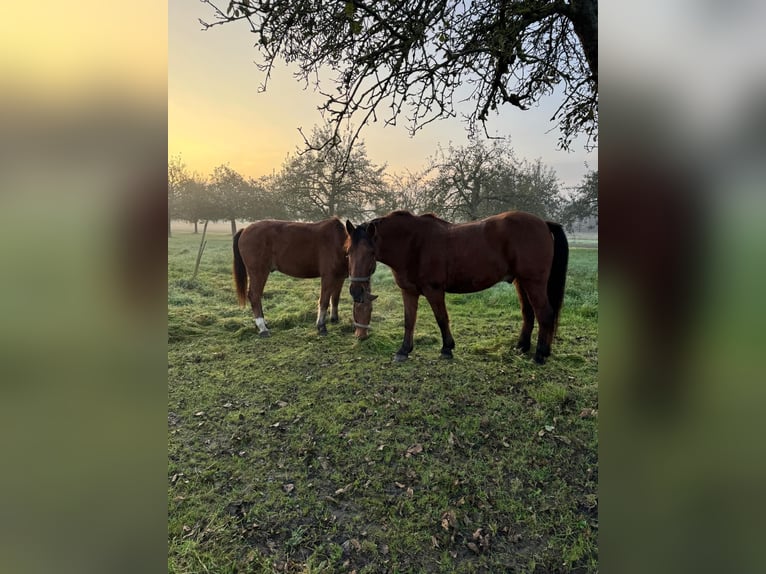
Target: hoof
523	346
539	359
333	319
264	334
322	330
400	358
445	355
323	333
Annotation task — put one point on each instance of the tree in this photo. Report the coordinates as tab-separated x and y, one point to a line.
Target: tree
533	187
262	201
483	178
176	175
411	191
340	180
411	56
194	200
229	194
584	201
468	184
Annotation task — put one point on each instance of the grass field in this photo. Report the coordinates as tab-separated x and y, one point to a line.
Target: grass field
301	453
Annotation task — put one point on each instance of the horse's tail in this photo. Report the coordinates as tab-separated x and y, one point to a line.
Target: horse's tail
558	276
240	272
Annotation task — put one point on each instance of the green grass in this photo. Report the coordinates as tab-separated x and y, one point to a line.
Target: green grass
301	453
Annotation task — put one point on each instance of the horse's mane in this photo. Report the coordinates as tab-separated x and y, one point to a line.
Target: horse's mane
404	213
434	217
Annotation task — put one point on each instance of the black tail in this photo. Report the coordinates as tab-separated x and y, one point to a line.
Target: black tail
240	272
558	277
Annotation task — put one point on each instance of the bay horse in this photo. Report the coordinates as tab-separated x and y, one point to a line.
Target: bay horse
302	250
429	256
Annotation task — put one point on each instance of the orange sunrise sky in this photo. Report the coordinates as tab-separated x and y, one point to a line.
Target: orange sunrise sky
217	115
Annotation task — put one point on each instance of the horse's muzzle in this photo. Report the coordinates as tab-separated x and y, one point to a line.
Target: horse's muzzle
357	292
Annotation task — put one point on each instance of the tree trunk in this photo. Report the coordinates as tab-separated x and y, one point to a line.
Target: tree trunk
233	228
195	226
169	235
584	17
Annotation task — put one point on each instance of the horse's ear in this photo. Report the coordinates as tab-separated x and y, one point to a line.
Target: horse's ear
349	227
371	230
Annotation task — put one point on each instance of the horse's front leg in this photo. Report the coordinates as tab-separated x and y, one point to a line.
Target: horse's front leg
335	298
410	314
324	302
436	300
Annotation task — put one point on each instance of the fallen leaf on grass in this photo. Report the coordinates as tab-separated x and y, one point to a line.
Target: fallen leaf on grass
414	449
588	413
562	438
344	489
546	428
288	488
434	542
351	544
482	538
449	520
473	547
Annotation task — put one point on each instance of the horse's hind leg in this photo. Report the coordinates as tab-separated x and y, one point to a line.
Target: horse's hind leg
255	294
537	292
436	300
528	316
410	315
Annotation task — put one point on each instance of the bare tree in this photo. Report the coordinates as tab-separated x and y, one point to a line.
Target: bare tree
176	175
339	180
483	178
195	200
229	191
584	201
413	191
262	200
467	186
533	187
410	56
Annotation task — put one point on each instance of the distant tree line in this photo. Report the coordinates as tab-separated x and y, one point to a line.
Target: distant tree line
461	183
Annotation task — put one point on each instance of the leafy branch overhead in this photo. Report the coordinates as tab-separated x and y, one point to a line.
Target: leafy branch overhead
416	59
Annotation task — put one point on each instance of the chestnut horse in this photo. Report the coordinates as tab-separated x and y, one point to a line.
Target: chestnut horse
303	250
429	256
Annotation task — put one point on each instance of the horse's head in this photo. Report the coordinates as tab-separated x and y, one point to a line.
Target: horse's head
360	248
362	315
361	266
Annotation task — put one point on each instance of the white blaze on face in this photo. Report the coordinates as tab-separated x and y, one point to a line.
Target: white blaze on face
261	324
